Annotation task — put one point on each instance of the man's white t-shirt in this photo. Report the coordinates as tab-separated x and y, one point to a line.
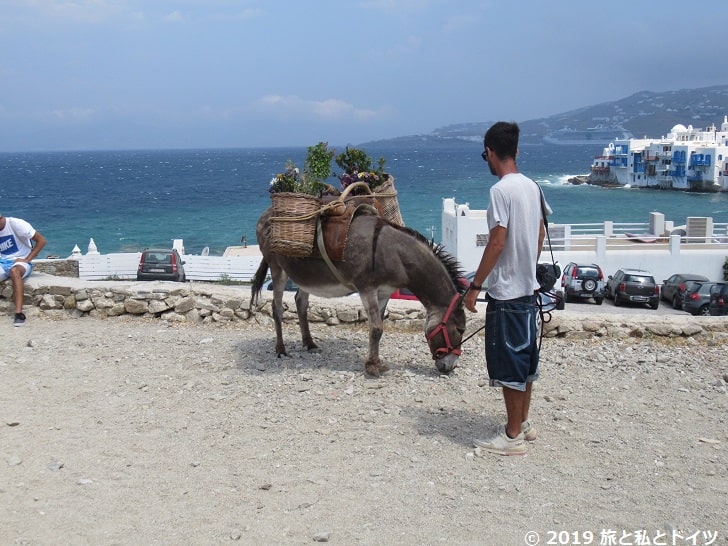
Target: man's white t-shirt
515	204
15	238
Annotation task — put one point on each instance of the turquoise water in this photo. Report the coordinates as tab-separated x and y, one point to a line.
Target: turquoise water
129	200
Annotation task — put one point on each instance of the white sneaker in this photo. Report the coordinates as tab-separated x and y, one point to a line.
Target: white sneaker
501	444
529	431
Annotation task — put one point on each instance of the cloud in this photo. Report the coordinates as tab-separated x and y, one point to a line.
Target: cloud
173	17
400	6
73	114
459	23
80	11
292	108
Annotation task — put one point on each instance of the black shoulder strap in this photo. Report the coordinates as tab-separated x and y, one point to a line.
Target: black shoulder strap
546	222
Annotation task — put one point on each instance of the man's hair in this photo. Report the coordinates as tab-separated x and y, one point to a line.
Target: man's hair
502	139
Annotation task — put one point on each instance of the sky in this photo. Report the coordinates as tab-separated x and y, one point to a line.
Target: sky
157	74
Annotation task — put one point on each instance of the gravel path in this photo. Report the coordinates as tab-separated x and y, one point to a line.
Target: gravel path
133	431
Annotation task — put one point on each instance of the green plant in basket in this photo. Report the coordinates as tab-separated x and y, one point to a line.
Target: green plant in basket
287	181
316	169
359	167
318	162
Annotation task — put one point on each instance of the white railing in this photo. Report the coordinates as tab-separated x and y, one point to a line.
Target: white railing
197	268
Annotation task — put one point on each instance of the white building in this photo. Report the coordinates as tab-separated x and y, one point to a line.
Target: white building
700	246
686	159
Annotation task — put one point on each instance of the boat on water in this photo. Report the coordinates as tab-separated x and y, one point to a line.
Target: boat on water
686	159
592	135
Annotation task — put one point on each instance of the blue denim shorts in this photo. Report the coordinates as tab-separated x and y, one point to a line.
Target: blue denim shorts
7	264
511	342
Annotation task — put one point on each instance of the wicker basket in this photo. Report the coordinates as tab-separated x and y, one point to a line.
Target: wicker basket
293	224
386	195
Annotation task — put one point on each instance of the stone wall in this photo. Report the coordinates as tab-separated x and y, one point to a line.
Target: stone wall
217	303
59	268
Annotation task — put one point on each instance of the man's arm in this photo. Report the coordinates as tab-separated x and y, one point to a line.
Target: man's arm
493	250
541	237
40	242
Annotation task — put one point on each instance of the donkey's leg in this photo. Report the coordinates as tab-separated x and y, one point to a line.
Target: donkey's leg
373	365
279	282
302	311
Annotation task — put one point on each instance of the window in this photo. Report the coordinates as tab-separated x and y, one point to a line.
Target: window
481	239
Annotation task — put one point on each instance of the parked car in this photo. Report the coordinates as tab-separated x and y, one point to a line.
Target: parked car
290	285
695	297
583	281
402	294
161	264
633	285
551	300
672	287
719	299
405	294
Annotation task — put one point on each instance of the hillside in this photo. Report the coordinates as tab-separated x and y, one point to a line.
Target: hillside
645	113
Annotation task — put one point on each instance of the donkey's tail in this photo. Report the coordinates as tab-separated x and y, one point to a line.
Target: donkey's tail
258	280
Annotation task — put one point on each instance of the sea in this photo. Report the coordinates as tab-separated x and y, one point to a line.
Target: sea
211	198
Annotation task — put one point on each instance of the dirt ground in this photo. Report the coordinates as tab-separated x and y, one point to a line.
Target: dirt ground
133	431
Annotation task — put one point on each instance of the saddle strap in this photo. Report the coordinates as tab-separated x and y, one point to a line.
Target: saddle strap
325	255
363	208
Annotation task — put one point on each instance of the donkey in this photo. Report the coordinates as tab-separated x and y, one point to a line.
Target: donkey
379	257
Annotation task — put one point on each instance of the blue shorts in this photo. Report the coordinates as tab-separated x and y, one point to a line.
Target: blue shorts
6	264
511	342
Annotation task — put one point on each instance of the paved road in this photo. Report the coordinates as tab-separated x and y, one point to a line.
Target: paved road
588	306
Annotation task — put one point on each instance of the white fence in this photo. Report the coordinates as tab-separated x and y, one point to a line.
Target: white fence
197	268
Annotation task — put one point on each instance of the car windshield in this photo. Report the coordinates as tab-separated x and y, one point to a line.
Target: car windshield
692	286
588	272
639	278
159	258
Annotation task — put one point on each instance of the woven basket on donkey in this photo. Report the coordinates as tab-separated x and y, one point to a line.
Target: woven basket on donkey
386	195
293	223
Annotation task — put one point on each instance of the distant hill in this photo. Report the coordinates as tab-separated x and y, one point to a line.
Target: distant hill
643	114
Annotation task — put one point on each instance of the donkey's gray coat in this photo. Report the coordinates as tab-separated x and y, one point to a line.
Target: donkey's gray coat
379	258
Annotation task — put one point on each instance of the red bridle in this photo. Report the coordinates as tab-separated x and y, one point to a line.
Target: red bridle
442	327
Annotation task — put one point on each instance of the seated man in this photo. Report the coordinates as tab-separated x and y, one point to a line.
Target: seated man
19	244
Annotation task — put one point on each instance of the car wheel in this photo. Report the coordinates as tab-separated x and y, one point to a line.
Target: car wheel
655	305
617	301
676	303
704	310
598	301
589	285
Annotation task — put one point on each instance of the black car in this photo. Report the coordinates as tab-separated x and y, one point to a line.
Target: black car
671	287
583	281
695	297
161	264
719	299
635	286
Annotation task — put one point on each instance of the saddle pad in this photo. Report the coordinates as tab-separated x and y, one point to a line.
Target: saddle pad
335	229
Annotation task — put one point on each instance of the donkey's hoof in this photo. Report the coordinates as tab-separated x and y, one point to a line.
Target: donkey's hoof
372	369
383	368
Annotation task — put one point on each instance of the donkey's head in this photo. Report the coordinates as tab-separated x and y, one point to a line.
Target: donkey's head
445	335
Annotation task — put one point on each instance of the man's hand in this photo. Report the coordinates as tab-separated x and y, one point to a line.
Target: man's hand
470	299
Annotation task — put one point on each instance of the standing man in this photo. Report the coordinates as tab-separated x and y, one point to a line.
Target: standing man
509	263
19	244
